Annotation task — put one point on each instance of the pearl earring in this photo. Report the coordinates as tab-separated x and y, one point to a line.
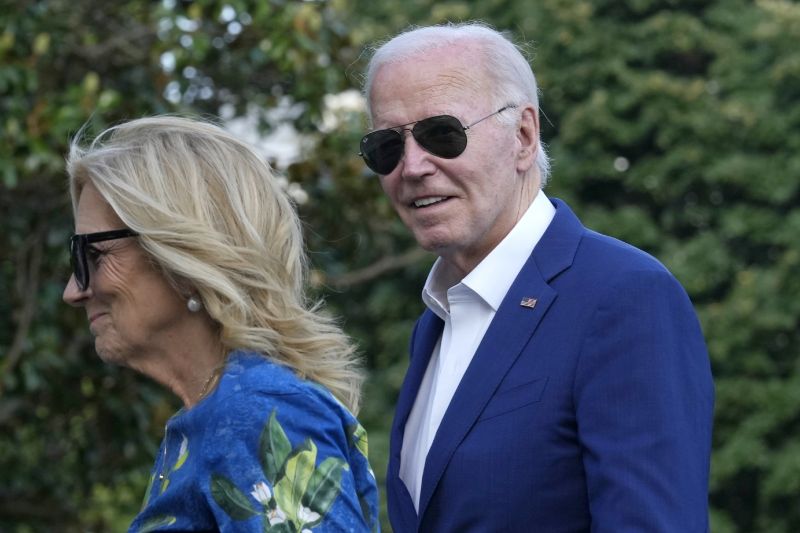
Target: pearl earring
194	304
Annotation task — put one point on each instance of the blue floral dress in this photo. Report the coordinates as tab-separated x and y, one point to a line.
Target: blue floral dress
266	452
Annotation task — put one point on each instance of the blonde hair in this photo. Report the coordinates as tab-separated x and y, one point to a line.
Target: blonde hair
210	213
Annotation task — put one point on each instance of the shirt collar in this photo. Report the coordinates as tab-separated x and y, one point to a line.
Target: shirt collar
493	276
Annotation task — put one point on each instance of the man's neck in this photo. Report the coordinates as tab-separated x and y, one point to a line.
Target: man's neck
457	265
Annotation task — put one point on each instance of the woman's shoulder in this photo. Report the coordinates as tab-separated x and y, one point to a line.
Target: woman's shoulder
254	371
257	397
270	441
250	377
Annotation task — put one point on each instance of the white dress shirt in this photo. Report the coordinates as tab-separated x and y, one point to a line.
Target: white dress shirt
467	307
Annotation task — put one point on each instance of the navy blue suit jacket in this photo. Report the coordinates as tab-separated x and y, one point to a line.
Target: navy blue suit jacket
590	411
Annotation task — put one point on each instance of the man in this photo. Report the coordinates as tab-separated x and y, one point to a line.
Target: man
558	381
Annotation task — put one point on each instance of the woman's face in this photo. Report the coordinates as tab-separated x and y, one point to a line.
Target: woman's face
132	310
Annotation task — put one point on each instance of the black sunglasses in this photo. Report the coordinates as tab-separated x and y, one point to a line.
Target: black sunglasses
442	135
77	251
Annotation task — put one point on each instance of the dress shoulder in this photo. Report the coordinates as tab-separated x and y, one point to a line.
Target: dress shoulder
304	455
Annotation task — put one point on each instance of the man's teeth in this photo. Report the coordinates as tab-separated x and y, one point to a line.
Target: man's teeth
428	201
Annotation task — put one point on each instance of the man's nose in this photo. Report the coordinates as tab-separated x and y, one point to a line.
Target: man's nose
417	162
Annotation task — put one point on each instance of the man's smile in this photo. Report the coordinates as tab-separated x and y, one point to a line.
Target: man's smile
428	201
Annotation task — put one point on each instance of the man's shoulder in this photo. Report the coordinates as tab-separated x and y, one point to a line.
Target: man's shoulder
604	250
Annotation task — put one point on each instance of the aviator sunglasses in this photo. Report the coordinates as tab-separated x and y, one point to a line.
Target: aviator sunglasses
78	245
443	136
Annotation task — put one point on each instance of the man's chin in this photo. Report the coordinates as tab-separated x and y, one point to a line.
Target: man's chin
432	241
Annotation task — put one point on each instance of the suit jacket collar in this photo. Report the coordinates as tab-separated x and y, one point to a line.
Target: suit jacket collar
509	332
423	339
558	246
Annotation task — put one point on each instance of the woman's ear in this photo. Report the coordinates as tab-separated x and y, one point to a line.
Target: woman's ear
527	138
182	286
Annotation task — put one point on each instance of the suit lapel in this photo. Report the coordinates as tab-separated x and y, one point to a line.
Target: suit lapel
511	329
426	333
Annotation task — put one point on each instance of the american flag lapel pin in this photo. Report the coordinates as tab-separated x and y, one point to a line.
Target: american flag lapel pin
528	302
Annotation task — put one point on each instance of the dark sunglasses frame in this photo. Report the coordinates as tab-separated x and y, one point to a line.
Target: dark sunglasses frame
77	251
382	149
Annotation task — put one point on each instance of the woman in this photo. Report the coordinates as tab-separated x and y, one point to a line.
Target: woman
188	259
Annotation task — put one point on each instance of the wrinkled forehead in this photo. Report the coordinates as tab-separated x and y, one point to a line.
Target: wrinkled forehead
427	83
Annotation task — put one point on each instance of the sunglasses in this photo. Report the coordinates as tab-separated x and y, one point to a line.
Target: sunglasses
78	245
442	135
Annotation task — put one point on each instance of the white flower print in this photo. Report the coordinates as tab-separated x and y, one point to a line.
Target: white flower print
305	515
261	493
292	473
276	516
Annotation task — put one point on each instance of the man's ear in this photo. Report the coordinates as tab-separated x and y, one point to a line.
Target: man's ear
527	138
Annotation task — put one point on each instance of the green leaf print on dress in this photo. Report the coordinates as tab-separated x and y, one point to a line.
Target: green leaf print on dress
157	522
230	498
183	454
323	487
297	494
164	520
358	435
274	448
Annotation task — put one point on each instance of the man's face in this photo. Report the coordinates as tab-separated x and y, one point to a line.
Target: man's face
459	208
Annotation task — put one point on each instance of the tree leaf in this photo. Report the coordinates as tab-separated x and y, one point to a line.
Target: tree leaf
231	499
290	488
274	448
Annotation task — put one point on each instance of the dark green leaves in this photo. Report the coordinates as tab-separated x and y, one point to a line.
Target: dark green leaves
324	485
156	522
274	448
230	498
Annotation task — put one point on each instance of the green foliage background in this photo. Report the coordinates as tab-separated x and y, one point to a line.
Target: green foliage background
673	124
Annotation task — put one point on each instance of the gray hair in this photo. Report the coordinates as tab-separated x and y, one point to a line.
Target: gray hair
512	79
